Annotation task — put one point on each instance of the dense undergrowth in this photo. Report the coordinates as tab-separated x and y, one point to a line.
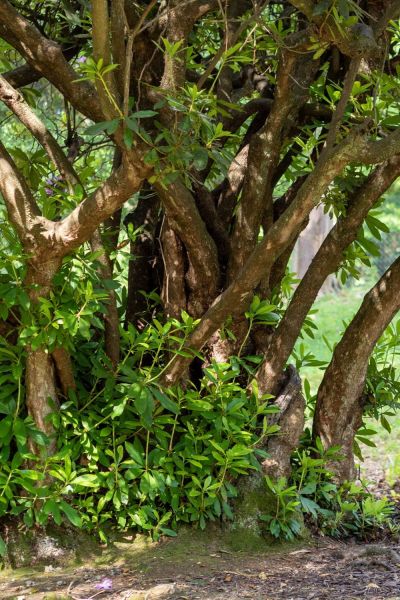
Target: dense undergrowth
134	455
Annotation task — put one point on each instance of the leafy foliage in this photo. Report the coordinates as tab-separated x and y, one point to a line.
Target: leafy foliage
336	510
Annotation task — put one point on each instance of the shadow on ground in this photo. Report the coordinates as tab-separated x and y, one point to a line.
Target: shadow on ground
213	565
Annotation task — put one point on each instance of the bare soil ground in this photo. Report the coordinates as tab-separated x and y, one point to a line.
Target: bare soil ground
215	565
193	567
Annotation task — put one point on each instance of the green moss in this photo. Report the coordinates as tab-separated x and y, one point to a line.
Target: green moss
256	499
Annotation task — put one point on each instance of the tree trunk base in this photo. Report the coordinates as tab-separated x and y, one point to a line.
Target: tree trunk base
291	422
254	501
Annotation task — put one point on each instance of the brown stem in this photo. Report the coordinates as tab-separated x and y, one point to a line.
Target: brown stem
141	270
173	292
256	199
65	373
111	317
236	297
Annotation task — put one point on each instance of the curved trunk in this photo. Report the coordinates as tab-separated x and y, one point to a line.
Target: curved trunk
290	418
325	262
339	405
41	393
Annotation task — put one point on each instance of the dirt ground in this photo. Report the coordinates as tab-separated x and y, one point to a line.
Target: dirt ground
211	568
216	565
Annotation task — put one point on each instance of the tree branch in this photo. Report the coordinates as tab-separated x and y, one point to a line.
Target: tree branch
326	261
47	58
295	73
102	50
82	222
235	298
21	206
351	41
203	274
338	412
16	103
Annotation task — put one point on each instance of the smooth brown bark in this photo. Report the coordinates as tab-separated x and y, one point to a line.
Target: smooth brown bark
326	261
339	405
173	293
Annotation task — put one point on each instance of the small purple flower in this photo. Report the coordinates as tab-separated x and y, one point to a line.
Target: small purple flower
81	59
49	192
49	181
106	584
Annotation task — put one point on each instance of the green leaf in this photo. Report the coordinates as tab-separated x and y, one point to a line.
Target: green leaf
128	137
86	480
166	402
135	454
385	423
5	426
97	128
309	505
113	126
118	409
200	158
71	514
51	507
275	528
144	114
366	441
3	547
169	532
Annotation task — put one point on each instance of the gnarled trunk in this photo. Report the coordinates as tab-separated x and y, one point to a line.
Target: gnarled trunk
290	419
